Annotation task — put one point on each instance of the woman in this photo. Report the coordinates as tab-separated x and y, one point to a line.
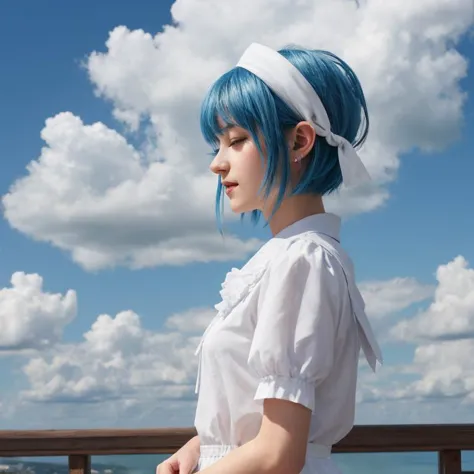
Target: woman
278	364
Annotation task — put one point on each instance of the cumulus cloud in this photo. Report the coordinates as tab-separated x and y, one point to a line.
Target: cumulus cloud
193	320
383	298
446	369
94	195
120	360
451	314
118	368
439	371
108	208
443	336
31	318
122	364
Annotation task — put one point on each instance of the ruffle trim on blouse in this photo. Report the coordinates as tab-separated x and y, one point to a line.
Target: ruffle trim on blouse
293	389
238	284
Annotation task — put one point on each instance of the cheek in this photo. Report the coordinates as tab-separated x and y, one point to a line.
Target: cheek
255	167
249	168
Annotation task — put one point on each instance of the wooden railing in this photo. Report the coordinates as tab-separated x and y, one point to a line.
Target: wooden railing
79	445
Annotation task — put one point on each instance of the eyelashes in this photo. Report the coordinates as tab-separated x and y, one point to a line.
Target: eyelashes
236	141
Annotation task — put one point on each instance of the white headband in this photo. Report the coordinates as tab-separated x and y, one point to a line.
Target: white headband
291	86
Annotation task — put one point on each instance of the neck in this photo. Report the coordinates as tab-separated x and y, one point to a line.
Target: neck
293	209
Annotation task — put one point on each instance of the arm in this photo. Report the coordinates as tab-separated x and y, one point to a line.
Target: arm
184	461
279	447
194	443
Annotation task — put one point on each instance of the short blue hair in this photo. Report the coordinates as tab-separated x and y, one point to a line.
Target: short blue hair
240	98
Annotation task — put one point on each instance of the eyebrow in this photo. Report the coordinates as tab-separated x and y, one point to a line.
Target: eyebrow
227	128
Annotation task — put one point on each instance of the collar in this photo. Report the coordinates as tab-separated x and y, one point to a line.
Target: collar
326	223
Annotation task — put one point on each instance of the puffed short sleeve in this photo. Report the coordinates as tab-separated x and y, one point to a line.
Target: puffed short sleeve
298	312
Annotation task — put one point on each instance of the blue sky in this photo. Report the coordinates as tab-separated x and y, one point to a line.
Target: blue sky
426	222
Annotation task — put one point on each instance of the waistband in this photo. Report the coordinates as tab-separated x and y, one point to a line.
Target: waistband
220	450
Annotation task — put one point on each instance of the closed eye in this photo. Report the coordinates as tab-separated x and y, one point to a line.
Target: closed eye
234	142
237	141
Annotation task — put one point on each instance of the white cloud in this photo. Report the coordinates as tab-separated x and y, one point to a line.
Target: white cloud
443	335
119	360
31	318
119	368
192	321
93	195
98	200
125	368
447	370
451	315
383	298
440	371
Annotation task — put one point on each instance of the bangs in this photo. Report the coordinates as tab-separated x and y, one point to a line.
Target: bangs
239	98
231	101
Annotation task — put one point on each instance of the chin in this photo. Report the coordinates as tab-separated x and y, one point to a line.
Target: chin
236	209
240	207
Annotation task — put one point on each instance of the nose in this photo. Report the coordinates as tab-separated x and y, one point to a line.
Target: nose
219	165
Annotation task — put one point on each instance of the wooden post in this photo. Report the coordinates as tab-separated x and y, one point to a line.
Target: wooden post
79	464
449	462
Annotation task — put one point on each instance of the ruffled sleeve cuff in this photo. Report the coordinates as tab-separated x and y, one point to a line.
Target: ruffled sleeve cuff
294	390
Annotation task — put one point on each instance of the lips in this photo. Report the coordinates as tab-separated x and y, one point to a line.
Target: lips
229	187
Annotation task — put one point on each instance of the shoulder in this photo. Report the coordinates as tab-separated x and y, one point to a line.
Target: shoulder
307	251
306	260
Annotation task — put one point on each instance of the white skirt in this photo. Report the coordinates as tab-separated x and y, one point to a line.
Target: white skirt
318	458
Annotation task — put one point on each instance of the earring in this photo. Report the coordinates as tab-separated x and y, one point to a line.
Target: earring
297	161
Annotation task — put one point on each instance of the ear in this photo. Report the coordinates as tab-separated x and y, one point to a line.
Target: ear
302	138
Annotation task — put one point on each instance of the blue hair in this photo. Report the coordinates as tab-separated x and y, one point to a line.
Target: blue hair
240	98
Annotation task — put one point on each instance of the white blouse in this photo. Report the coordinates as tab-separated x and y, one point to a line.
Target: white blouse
290	326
